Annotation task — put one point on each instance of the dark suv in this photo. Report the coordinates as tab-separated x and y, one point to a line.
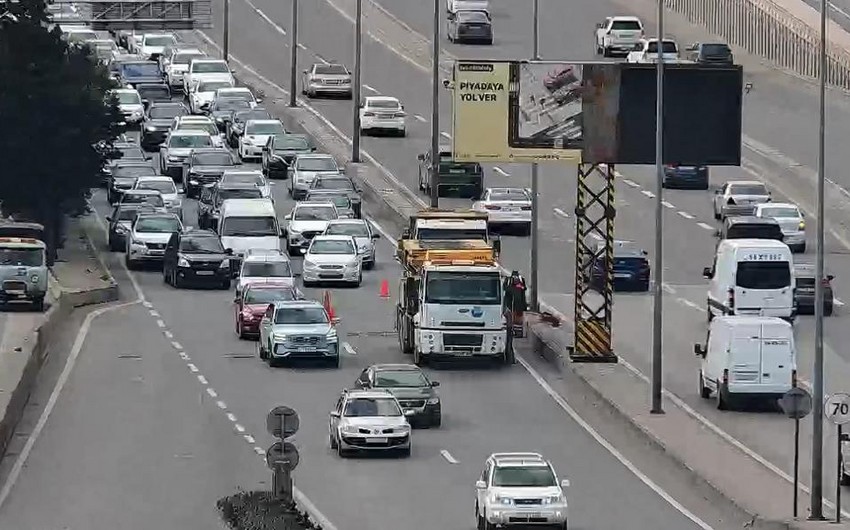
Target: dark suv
804	293
196	257
631	267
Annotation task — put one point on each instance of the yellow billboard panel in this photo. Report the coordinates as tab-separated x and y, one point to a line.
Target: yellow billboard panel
500	112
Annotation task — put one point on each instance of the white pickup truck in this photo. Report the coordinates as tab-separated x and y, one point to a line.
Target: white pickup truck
646	51
618	35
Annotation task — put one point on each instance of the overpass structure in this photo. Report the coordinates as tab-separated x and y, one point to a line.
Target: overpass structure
164	15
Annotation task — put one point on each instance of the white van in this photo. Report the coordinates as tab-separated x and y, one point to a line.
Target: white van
747	357
248	224
751	277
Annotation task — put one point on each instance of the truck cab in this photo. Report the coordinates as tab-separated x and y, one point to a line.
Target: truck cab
460	179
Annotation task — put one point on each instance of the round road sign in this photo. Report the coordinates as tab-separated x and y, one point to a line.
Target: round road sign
837	408
796	403
282	422
284	453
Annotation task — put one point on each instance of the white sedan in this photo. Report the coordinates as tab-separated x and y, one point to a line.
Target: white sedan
256	136
247	176
506	207
382	113
332	259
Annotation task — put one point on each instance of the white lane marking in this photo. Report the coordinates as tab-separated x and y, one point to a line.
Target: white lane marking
322	59
221	405
446	135
667	205
837	302
561	213
249	439
231	417
448	456
160	323
70	362
154	313
185	356
212	393
240	429
501	171
705	225
202	380
370	89
348	349
265	17
177	345
692	305
193	368
419	118
260	451
648	193
686	215
630	182
301	46
667	289
168	334
147	304
610	448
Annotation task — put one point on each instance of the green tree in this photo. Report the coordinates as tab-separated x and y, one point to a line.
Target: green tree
54	107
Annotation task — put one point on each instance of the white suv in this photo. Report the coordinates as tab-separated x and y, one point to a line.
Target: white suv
618	35
520	489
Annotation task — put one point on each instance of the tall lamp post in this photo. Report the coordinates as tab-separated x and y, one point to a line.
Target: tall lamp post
293	56
535	189
355	93
657	291
435	109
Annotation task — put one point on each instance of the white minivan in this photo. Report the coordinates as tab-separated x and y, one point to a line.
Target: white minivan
747	357
751	277
248	224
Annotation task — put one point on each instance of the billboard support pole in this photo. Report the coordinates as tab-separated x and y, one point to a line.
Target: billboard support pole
595	212
293	56
225	45
657	291
535	184
435	109
355	94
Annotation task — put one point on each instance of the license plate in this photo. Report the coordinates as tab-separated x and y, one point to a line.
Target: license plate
376	440
204	273
409	411
304	349
622	275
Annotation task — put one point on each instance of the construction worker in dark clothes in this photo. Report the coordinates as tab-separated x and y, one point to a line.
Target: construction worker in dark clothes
515	302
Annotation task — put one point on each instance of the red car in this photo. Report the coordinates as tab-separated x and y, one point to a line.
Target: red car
250	307
559	77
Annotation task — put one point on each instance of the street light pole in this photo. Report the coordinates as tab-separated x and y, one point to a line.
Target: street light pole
435	110
225	48
816	511
535	184
293	56
657	291
355	93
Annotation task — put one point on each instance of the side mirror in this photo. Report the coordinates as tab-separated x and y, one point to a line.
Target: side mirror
497	245
146	103
259	101
312	149
598	25
376	235
283	232
162	145
845	437
480	485
405	234
181	190
304	72
435	384
420	157
335	321
638	47
717	233
706	273
287	217
236	300
698	351
565	483
334	414
228	251
108	218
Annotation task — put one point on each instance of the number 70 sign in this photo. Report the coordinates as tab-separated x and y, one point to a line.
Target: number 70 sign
837	408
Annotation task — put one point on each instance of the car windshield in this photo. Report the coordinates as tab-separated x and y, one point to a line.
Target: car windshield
314	213
763	275
668	47
146	198
213	159
166	187
212	86
236	93
230	104
206	126
126	214
328	246
141	70
779	212
291	143
128	98
482	288
158	225
267	269
330	69
301	316
371	407
340	201
269	295
246	115
451	233
239	193
159	40
264	128
23	257
134	153
383	104
249	227
166	111
201	245
133	171
185	57
476	17
347	229
316	164
747	189
244	178
524	477
510	195
716	49
154	93
216	67
627	25
400	379
333	183
187	141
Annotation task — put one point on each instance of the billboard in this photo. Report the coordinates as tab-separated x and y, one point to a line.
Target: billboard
493	121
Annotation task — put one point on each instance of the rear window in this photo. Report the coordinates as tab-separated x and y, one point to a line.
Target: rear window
473	16
627	25
669	47
754	231
747	189
331	69
631	262
805	282
763	274
715	49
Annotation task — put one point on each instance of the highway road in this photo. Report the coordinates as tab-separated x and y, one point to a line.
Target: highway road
389	68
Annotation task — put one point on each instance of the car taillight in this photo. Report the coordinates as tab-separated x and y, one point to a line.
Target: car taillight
526	208
730	201
731	298
725	376
670	166
793	378
492	207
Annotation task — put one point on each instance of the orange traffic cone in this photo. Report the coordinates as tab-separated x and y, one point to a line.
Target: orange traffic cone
385	288
326	301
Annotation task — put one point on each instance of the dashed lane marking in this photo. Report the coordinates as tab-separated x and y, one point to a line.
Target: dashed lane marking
631	183
177	345
185	356
448	456
370	88
561	213
501	171
667	289
260	451
684	214
240	429
221	404
688	303
160	323
419	118
446	135
705	225
154	313
348	349
248	438
322	59
168	334
147	304
668	205
202	380
193	368
648	193
212	393
301	46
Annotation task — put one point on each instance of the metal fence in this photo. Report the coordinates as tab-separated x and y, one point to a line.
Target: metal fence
765	29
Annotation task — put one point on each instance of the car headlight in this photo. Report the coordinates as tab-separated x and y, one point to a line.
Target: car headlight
363	248
278	338
802	225
349	429
403	428
332	335
219	120
293	231
172	158
183	262
137	243
150	128
433	400
225	264
501	499
554	499
177	203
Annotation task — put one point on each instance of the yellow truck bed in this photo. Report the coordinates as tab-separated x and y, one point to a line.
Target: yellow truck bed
446	213
413	254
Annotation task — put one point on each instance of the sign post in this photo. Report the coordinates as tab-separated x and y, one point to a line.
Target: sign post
837	410
796	404
282	457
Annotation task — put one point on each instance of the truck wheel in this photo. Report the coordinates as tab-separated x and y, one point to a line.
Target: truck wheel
845	479
722	398
704	391
38	304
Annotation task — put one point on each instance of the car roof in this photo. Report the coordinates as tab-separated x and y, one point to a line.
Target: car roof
250	206
348	222
302	204
266	258
315	155
125	90
150	85
508	190
142	192
236	186
777	205
132	162
625	17
750	220
246	171
194	132
378	393
235	89
382	98
518	459
198	232
299	303
395	366
265	121
334	237
207	150
175	104
158	178
746	183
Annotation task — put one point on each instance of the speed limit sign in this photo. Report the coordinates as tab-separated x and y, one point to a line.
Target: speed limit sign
837	408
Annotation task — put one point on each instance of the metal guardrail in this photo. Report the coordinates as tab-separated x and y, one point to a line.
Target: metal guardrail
765	29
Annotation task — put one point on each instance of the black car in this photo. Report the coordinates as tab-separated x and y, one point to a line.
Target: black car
279	152
804	294
157	122
631	267
196	257
125	151
470	26
236	126
120	221
223	109
208	209
153	93
342	184
124	175
685	177
133	73
410	386
205	166
339	198
711	53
